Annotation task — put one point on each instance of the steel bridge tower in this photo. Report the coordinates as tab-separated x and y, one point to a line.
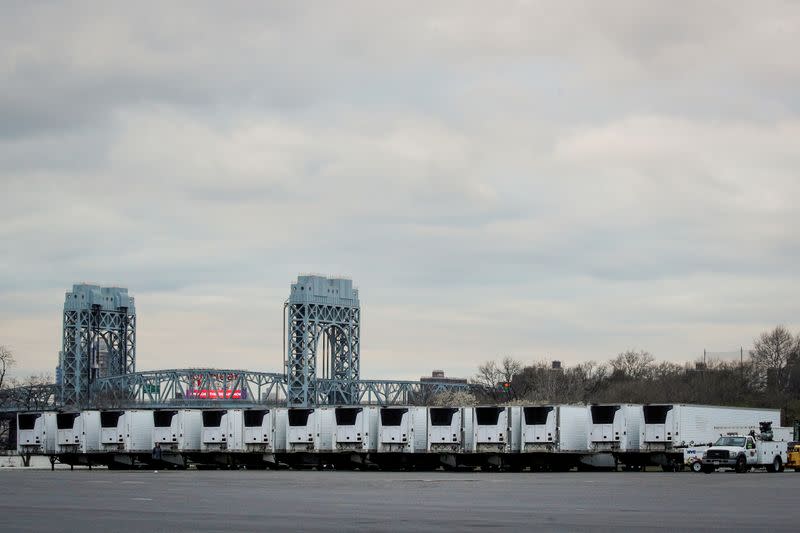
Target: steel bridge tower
323	314
99	339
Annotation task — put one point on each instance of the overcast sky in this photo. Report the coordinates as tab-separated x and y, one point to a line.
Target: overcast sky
547	180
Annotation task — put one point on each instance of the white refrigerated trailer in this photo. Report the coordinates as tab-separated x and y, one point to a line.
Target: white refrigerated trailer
234	437
355	429
445	430
554	437
78	438
178	432
258	430
126	436
345	435
308	435
450	437
36	433
493	429
215	431
402	437
615	429
402	430
78	432
491	437
667	429
301	430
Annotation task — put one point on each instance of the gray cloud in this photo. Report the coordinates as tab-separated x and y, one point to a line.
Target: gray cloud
544	181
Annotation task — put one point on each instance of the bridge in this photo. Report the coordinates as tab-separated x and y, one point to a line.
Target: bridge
322	322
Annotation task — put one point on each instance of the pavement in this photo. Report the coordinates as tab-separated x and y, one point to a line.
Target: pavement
240	501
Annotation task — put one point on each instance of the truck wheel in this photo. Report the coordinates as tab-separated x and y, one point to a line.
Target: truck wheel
741	465
697	467
777	465
708	469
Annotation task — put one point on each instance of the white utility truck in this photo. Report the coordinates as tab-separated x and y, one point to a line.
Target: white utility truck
745	451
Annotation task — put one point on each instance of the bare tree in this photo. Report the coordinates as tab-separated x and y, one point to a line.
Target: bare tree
772	353
633	364
589	378
493	378
509	368
6	362
488	375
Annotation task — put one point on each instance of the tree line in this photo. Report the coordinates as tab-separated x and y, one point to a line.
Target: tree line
767	376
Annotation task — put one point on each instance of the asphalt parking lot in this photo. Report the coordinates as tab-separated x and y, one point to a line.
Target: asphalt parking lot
175	501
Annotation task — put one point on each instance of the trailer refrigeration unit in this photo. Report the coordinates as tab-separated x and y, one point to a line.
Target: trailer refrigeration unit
214	436
36	433
258	439
178	432
554	437
233	437
301	430
491	430
347	435
669	429
356	429
78	437
493	438
402	436
615	430
449	435
445	430
126	437
308	434
402	430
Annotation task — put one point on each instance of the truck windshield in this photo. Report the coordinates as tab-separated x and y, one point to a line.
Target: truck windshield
730	441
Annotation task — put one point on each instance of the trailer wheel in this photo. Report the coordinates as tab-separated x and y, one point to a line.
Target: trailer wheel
741	465
697	467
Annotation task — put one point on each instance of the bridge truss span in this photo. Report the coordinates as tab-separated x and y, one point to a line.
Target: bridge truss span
191	386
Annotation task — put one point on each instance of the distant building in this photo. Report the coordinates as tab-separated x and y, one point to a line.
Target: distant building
437	376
